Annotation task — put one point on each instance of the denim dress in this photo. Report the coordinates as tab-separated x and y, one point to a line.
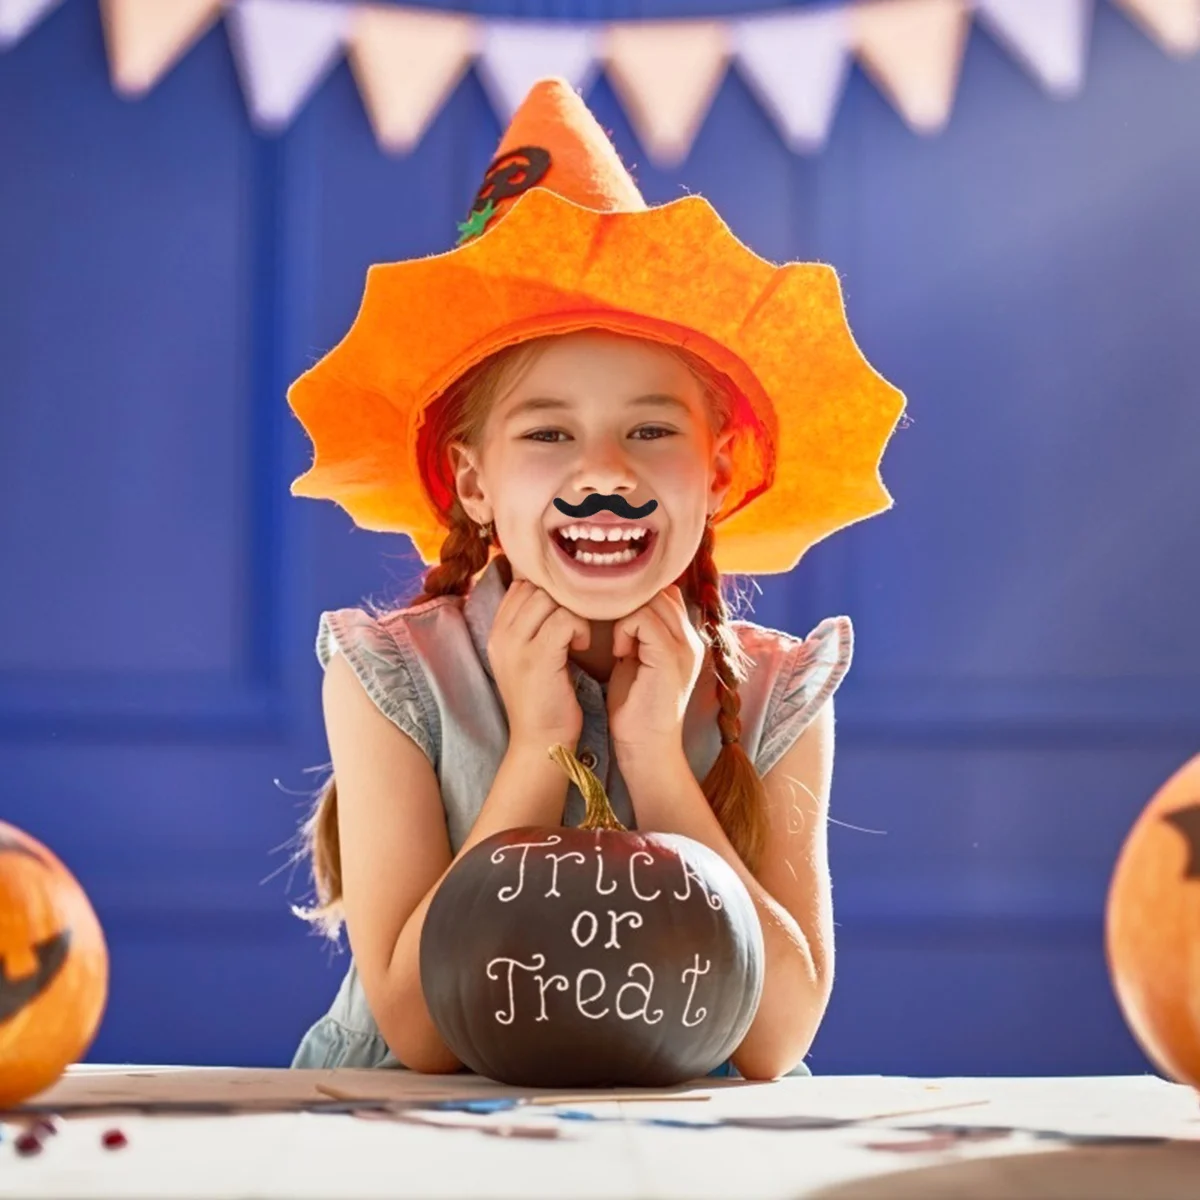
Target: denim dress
426	669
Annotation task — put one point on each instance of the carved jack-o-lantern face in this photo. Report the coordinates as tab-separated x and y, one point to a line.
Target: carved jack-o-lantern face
53	968
1153	927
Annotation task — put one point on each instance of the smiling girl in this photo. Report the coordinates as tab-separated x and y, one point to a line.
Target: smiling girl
577	415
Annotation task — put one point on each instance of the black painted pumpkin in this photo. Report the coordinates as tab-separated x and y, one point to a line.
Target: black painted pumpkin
592	956
53	968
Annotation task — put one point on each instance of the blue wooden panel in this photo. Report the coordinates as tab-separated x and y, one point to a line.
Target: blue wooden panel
225	992
984	831
124	332
980	1000
1023	276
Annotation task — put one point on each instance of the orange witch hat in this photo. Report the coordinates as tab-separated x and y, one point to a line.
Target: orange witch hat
559	239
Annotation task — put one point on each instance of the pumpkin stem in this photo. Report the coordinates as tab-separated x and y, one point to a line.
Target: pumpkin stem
599	813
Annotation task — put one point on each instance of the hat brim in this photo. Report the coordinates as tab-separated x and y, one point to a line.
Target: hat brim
816	419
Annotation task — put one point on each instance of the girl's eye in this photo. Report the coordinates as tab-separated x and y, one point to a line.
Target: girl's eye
536	435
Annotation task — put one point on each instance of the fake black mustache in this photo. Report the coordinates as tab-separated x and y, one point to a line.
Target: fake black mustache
614	504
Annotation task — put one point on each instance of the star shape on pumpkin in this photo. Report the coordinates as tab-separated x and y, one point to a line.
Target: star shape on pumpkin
476	223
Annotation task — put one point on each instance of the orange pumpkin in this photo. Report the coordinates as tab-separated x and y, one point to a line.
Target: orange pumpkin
53	968
1152	926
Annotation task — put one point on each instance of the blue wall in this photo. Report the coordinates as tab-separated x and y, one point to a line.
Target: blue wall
1027	669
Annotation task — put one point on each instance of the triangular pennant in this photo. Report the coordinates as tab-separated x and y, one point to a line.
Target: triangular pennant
514	55
796	63
1173	24
913	50
283	50
407	62
1049	36
666	74
18	17
145	38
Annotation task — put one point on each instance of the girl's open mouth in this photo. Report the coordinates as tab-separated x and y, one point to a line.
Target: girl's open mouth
604	558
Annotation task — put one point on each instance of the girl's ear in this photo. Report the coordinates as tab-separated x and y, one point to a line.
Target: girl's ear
464	462
722	469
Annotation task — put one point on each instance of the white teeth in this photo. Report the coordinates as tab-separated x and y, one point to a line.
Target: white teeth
617	559
632	536
602	533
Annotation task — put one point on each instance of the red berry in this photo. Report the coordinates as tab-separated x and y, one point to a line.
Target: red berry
29	1143
113	1139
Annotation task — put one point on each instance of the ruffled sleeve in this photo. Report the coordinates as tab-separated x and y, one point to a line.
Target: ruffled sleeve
811	671
387	670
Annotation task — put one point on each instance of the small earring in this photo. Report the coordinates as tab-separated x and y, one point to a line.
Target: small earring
485	531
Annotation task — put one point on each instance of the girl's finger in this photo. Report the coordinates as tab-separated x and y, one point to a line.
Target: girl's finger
535	609
622	643
674	597
566	630
521	610
510	602
516	598
654	639
672	612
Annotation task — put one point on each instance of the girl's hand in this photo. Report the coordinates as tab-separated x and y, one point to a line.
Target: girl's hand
659	655
527	649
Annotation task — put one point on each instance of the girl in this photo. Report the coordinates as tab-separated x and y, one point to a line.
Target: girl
591	388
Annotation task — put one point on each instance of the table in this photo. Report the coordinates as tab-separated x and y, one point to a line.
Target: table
282	1133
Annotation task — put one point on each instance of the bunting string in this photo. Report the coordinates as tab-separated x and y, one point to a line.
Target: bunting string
407	62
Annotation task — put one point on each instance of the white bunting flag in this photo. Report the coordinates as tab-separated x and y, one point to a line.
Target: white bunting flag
514	55
18	17
796	60
283	50
913	51
797	64
666	74
407	62
1049	36
145	38
1173	24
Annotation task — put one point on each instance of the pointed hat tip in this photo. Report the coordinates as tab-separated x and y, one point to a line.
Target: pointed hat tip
580	162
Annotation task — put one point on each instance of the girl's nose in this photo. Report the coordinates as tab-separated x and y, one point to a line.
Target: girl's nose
606	471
